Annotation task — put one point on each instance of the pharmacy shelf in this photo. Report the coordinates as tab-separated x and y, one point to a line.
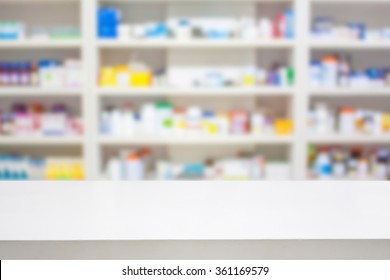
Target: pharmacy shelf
347	44
349	139
206	92
36	92
93	53
41	44
12	141
196	140
194	44
350	92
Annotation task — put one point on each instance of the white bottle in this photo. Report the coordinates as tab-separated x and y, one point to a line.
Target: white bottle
193	118
265	28
105	125
257	123
134	167
138	31
347	121
323	119
316	77
248	28
128	122
223	124
114	169
124	31
122	79
148	119
262	77
116	122
164	171
283	76
183	29
330	71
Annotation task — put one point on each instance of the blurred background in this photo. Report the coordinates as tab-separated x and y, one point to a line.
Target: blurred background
194	90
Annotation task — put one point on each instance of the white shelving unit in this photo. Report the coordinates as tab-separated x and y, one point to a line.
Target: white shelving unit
196	44
215	140
190	92
38	44
73	12
350	45
40	141
175	51
95	52
350	92
364	53
349	139
36	91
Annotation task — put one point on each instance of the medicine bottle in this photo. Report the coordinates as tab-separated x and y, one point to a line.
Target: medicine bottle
382	169
347	121
323	164
339	164
34	75
330	71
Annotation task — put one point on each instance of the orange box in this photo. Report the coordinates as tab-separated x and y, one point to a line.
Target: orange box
283	127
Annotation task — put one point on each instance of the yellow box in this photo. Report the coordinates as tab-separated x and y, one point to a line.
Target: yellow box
121	68
107	77
209	127
249	80
386	122
77	172
141	79
51	172
283	127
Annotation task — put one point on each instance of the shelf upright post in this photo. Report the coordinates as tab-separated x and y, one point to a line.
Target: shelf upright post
301	95
90	59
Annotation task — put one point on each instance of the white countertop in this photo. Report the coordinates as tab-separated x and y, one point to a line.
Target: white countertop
194	210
